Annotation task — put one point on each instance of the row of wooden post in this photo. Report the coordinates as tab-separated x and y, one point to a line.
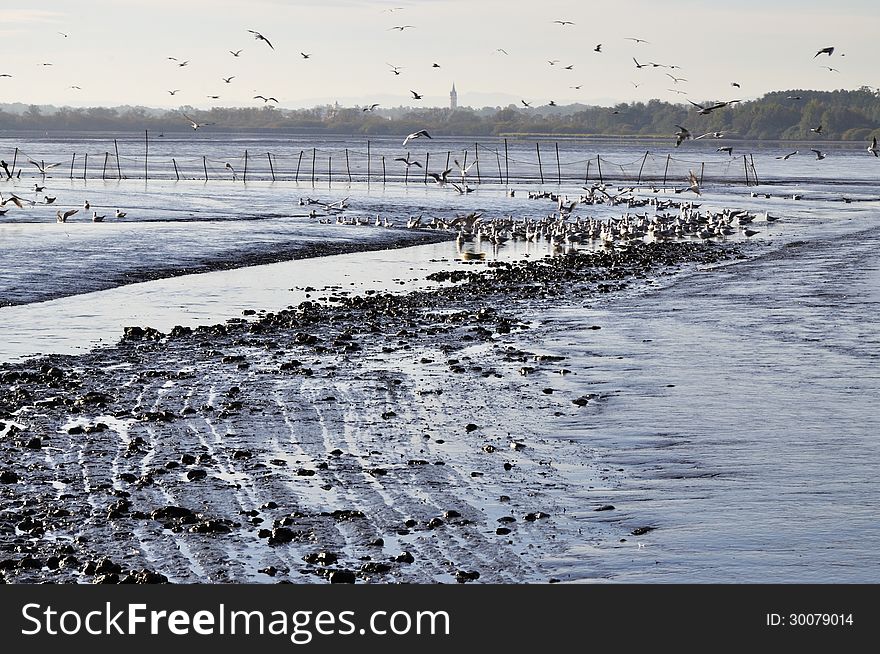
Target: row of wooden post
502	178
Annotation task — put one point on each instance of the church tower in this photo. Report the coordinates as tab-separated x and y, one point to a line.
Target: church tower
453	98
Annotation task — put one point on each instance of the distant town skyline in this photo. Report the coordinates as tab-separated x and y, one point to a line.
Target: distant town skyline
205	53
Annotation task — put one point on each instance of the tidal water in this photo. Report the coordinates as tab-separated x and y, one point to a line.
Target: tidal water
740	404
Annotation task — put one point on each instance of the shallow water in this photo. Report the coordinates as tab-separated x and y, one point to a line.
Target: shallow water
742	405
737	410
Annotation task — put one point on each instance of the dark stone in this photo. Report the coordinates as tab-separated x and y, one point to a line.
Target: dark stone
8	477
463	577
605	507
342	577
34	443
197	474
639	531
502	531
470	427
321	558
404	557
531	517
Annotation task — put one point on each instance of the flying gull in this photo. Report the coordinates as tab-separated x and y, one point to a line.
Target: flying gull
416	135
705	110
681	135
407	161
260	37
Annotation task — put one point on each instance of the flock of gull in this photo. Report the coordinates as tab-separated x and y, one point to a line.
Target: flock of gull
687	223
646	218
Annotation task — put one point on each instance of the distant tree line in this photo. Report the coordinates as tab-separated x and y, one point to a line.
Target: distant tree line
783	115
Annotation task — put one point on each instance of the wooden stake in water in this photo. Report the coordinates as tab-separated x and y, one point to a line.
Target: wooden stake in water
118	165
702	169
599	166
644	159
177	174
314	156
146	151
368	161
85	165
558	168
666	170
587	175
271	168
244	174
104	169
477	161
506	164
15	159
347	166
406	174
72	160
383	169
746	168
540	167
498	159
299	161
448	153
754	172
205	166
427	159
329	169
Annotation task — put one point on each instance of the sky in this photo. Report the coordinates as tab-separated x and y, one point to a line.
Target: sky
117	53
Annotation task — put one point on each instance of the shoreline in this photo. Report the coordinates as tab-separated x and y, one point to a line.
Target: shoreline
376	438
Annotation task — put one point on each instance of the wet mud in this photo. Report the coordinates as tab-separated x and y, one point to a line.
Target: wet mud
354	438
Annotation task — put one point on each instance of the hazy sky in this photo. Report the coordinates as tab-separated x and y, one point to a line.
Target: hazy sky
117	52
